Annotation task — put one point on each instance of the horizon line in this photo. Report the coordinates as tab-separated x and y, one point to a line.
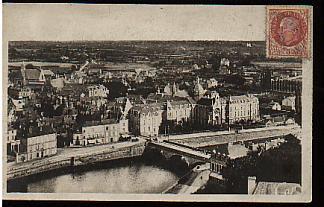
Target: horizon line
136	40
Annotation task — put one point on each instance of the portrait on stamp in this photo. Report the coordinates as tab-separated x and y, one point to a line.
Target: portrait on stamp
288	32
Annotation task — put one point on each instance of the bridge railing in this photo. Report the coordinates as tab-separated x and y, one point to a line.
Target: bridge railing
185	146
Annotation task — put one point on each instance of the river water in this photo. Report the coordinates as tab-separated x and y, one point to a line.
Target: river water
123	176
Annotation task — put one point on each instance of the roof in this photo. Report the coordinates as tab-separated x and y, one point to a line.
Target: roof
60	70
15	74
291	98
180	102
182	93
73	89
48	72
275	188
273	103
35	131
102	122
198	88
159	97
147	108
32	74
241	98
237	150
136	99
191	100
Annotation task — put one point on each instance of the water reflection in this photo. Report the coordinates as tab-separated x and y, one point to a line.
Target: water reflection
122	177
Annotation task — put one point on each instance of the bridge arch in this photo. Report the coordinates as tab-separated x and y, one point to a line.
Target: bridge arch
179	160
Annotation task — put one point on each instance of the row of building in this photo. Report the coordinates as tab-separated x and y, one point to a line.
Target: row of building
83	112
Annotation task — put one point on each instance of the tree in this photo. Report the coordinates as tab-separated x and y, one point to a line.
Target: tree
116	89
282	164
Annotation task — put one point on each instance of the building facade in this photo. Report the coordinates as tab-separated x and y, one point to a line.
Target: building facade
38	147
107	131
13	144
97	91
211	110
289	103
245	107
146	119
179	111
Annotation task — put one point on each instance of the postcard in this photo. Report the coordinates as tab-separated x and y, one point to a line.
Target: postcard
157	102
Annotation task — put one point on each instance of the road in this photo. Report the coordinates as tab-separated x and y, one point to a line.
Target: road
183	149
197	178
67	153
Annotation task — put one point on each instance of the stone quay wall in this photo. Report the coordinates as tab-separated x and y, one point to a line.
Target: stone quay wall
120	153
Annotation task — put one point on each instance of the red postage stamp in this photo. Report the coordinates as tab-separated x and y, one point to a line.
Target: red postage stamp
288	32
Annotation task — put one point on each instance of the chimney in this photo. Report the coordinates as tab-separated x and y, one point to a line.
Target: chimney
251	184
23	72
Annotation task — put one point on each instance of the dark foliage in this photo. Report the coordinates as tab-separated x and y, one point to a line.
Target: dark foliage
281	164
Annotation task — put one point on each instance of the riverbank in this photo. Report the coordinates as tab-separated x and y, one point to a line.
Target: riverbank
76	157
83	156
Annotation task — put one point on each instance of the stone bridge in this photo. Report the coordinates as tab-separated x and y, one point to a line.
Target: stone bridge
188	154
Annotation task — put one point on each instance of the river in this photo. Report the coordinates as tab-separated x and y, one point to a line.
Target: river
134	175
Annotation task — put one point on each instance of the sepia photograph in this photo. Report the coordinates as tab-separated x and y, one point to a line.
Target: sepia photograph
157	102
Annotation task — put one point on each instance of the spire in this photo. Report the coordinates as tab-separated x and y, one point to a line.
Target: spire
23	72
174	88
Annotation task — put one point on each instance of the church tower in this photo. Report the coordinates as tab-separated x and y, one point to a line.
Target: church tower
198	91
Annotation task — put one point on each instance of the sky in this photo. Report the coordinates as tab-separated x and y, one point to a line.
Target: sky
66	22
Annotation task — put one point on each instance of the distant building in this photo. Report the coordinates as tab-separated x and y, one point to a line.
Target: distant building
211	110
32	75
286	85
224	67
19	104
97	90
244	107
106	131
224	70
195	67
25	92
211	83
179	111
121	108
289	103
58	83
198	91
218	161
274	106
174	91
13	144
